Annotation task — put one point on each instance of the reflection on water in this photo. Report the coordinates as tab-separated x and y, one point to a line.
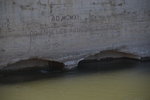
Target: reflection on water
116	80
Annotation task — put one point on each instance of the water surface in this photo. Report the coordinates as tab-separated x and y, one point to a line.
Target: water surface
131	83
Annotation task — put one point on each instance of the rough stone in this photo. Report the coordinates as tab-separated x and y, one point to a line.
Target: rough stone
68	31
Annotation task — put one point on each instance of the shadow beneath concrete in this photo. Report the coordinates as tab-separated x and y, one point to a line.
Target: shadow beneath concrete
27	75
107	65
84	68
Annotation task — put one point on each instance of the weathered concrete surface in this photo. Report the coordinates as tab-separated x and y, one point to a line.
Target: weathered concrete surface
71	30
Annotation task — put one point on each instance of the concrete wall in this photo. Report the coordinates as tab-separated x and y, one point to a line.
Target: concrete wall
70	30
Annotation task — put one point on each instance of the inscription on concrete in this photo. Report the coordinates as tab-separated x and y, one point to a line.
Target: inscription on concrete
64	17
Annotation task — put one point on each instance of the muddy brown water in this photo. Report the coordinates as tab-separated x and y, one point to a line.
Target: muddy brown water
112	80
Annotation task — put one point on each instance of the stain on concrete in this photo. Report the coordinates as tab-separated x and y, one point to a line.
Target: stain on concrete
26	7
41	4
120	4
13	2
2	50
